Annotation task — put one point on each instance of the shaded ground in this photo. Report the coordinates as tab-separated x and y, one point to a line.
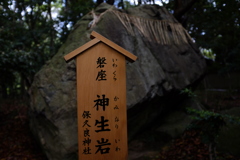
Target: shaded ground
17	142
220	99
189	145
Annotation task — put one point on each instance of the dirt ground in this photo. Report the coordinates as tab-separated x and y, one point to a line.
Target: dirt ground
17	142
189	145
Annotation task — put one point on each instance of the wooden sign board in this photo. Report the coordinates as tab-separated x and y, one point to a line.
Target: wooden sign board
101	99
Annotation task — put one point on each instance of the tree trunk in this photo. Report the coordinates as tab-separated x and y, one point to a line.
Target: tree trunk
51	29
182	7
4	91
111	2
99	2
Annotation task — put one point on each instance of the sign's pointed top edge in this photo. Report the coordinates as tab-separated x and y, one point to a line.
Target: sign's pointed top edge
130	57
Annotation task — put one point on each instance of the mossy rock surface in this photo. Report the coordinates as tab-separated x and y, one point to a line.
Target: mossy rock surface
153	81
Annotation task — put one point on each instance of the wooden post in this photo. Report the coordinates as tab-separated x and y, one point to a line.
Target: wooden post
101	99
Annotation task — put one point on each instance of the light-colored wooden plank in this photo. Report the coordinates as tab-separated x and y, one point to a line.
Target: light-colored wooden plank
81	49
130	57
89	87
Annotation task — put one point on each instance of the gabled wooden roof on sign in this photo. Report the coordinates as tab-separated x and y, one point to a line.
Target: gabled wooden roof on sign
96	39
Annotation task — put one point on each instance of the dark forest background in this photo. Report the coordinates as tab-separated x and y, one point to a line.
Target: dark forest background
31	31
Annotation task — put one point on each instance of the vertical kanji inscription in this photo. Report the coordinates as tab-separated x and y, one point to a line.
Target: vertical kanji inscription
101	99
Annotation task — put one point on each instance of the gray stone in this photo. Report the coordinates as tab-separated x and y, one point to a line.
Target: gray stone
176	121
153	81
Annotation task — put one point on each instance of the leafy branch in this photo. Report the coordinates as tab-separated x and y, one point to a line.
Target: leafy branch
209	125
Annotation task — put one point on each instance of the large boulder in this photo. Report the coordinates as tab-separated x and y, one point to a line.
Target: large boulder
168	61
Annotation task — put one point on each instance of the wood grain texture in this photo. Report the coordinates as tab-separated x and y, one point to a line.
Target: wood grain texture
91	88
81	49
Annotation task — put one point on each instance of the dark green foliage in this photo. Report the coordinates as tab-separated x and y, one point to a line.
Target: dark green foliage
188	92
71	12
30	35
215	25
209	125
